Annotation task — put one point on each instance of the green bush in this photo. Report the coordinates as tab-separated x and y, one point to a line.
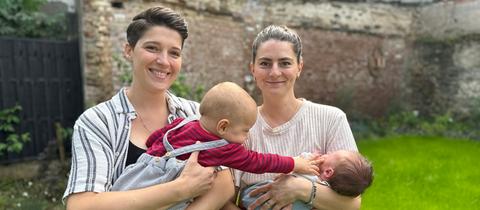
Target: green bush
12	141
413	123
181	89
124	68
21	18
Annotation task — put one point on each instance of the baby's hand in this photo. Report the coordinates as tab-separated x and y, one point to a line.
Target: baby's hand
306	166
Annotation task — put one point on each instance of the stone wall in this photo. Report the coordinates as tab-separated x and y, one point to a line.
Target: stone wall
96	17
446	53
363	57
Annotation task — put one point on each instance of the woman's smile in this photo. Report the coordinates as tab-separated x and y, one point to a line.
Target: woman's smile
159	74
275	83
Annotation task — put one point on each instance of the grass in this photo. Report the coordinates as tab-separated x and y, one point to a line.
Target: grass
422	173
32	185
28	195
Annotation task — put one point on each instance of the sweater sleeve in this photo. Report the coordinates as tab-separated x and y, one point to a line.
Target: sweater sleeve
237	157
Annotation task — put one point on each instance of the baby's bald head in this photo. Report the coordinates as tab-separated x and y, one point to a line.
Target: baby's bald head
227	100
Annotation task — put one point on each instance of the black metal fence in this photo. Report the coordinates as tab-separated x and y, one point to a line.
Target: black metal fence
44	78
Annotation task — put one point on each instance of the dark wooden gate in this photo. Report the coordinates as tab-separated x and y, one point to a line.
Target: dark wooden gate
44	78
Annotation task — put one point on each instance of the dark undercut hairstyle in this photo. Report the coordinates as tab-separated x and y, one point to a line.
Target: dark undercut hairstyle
156	16
280	33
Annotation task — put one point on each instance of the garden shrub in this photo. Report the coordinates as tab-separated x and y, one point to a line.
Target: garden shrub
22	18
11	140
413	123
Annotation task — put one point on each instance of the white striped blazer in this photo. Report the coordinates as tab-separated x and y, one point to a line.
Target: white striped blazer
100	141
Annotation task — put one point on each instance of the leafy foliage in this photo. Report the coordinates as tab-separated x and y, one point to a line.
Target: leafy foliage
21	18
13	142
124	68
413	123
181	89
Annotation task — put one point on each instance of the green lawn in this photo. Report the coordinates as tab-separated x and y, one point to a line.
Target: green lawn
422	173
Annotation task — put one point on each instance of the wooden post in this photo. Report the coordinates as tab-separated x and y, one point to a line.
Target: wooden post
59	138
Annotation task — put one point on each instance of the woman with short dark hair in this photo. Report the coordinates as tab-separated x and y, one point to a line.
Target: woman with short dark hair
112	135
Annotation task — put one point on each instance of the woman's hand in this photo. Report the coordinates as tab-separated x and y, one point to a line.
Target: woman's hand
199	179
279	194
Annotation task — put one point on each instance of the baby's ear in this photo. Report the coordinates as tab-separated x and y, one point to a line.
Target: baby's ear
222	126
328	172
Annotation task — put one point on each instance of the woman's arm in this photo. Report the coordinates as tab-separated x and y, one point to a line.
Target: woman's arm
231	204
193	181
325	197
286	189
222	192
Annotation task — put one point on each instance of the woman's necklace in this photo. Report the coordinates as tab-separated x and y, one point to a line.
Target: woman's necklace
143	123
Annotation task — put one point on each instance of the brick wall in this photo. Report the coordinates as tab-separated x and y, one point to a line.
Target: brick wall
362	57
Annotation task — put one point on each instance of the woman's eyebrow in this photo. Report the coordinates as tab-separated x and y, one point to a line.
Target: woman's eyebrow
265	59
159	44
286	59
151	42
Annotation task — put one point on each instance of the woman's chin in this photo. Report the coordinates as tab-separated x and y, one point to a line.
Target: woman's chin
275	90
159	86
275	93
